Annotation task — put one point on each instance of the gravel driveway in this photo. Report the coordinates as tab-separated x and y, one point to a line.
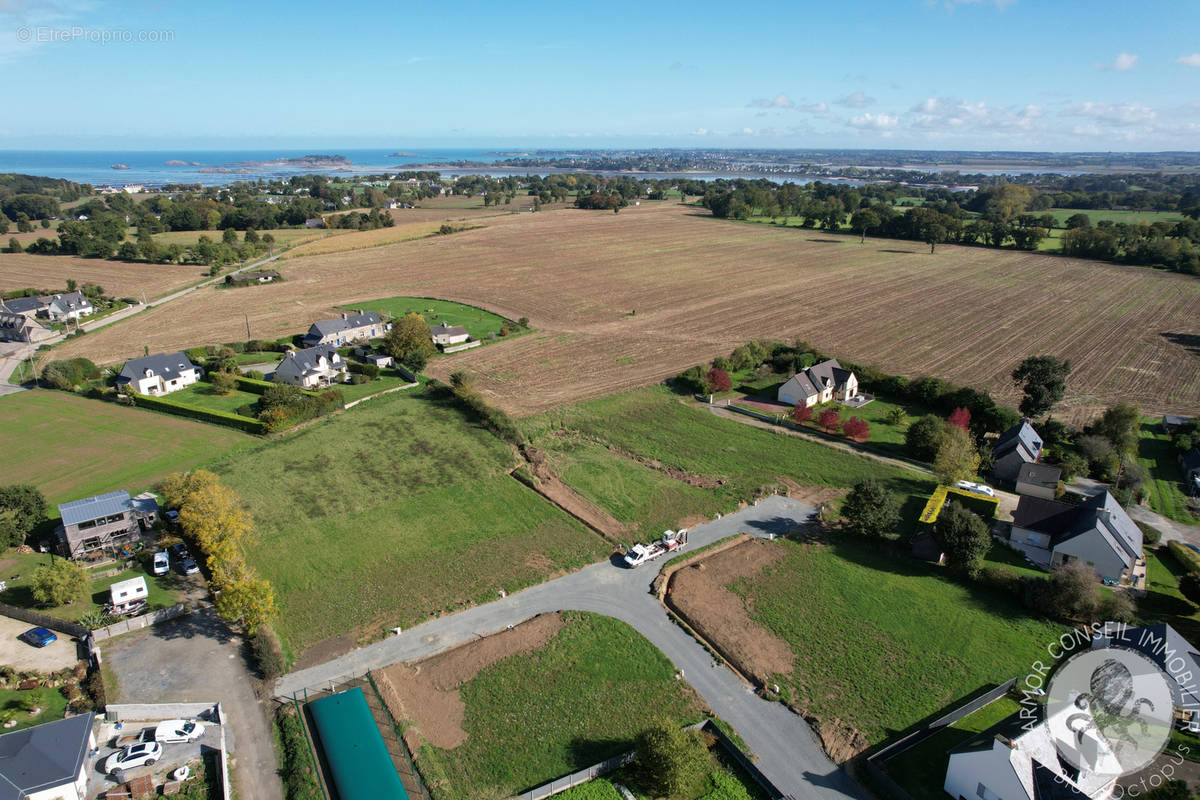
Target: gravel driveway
21	656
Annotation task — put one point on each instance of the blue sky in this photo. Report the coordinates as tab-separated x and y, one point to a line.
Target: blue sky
928	74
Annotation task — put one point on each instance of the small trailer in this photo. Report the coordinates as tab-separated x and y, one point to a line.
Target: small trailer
669	542
127	597
133	737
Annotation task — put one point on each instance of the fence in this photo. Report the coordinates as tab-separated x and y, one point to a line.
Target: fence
353	403
575	778
34	618
139	622
877	759
140	712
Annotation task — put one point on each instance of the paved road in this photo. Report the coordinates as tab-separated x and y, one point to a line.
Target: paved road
788	753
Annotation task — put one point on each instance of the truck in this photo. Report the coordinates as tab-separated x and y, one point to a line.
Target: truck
669	542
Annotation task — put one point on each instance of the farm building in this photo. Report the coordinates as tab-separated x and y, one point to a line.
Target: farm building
359	326
159	374
48	760
1017	446
380	360
359	765
445	335
27	306
819	383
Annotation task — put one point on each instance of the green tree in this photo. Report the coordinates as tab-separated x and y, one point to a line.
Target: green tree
933	235
223	383
1078	221
1043	379
1119	424
896	416
870	509
863	220
673	761
13	245
22	508
59	582
957	457
409	341
964	537
923	438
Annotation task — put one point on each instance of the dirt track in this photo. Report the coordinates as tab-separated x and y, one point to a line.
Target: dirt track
625	300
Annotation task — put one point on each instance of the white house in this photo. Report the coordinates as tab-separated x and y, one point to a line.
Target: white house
359	326
47	761
444	334
161	373
819	383
312	368
71	305
134	188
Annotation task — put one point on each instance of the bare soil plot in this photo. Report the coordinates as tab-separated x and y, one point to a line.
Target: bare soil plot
622	300
357	240
119	278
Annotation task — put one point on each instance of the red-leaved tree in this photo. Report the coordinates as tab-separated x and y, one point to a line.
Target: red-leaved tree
857	428
829	420
960	418
801	413
719	380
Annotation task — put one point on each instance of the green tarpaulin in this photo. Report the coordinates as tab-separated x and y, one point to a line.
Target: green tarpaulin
358	760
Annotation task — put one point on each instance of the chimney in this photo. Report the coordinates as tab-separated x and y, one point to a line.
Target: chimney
343	315
291	353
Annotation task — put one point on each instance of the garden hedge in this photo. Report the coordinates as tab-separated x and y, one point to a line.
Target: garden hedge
207	415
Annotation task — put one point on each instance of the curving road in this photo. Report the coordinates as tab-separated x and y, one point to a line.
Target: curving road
788	753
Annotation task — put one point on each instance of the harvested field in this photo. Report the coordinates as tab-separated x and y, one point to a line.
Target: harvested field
339	241
119	279
622	300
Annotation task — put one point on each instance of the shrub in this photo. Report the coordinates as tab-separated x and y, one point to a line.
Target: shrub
268	653
59	582
829	420
223	382
207	415
370	370
358	380
857	428
801	413
923	438
1151	535
719	380
298	771
95	689
1189	558
870	509
673	761
68	375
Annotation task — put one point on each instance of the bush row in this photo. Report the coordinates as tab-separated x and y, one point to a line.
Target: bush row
207	415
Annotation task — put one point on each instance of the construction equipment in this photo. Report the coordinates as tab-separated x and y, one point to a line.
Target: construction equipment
669	542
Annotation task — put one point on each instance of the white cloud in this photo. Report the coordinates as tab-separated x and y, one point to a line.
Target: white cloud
1123	62
813	108
1189	61
949	114
416	59
1122	114
856	100
874	121
700	132
780	100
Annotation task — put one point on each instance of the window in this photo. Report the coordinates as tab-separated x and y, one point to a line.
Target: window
86	524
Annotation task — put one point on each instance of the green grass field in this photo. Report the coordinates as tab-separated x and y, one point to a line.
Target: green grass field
1164	489
478	322
202	395
74	447
51	701
535	716
350	392
392	513
1104	215
652	423
1163	601
922	770
881	642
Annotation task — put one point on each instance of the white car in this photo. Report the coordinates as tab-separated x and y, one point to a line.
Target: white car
162	563
977	488
138	755
178	730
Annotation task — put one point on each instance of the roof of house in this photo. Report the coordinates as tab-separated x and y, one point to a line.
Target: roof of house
812	379
302	362
1191	459
169	366
347	322
1167	648
1099	515
443	328
89	508
1043	475
70	301
23	305
14	321
43	757
1044	516
1020	437
1174	420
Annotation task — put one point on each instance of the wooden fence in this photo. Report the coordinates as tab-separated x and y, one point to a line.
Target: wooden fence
34	618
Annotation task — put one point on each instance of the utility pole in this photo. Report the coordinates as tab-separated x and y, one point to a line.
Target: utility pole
248	337
33	371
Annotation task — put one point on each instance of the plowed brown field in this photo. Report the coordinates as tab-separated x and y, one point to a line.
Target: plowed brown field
701	286
119	279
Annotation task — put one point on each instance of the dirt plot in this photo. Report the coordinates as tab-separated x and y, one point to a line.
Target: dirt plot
697	592
119	279
622	300
426	692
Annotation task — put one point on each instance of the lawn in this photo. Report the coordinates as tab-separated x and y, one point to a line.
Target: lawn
392	513
883	642
653	424
51	701
535	716
202	395
1108	215
1164	489
85	447
1163	601
478	322
922	769
386	380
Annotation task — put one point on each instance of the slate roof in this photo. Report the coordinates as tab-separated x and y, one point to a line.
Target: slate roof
443	328
1102	512
71	301
43	757
1190	460
1044	516
326	327
302	362
23	305
89	508
1043	475
812	379
1174	421
1019	437
167	365
1167	648
15	322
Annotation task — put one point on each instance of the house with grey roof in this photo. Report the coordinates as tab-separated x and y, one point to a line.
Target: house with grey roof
1166	647
20	328
444	335
47	761
98	525
71	305
158	374
29	306
819	383
1038	480
356	327
311	368
1097	532
1018	445
1172	421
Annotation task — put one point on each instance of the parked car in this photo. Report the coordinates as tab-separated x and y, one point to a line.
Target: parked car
162	563
977	488
138	755
189	566
39	637
178	730
178	551
172	516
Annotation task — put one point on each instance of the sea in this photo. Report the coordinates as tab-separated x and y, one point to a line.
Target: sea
218	167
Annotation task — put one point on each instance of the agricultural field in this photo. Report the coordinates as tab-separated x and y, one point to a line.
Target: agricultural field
343	240
284	237
119	279
518	709
478	322
1108	215
824	622
1164	489
389	514
624	300
86	447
